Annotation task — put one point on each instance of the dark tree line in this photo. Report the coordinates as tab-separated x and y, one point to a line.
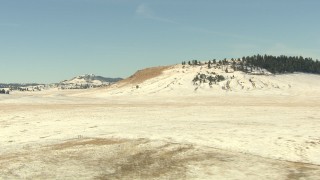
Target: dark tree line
283	64
193	63
274	64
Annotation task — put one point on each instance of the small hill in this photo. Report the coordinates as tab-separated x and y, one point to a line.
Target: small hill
204	77
87	81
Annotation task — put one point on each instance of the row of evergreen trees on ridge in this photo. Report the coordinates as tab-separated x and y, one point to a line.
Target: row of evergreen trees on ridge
284	64
274	64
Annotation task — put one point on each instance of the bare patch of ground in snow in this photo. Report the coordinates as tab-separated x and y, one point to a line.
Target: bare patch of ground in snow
142	75
97	158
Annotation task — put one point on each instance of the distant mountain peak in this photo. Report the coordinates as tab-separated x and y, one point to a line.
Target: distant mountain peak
87	81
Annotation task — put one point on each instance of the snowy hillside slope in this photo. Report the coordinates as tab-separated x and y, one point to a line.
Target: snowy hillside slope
189	79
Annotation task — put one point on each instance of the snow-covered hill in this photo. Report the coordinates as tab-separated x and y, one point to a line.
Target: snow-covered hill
79	82
86	81
191	79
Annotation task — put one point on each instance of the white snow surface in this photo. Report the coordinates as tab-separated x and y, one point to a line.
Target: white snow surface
269	130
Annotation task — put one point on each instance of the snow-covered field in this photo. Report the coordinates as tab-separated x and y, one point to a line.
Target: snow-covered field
161	131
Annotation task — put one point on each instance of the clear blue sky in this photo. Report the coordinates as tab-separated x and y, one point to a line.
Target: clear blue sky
52	40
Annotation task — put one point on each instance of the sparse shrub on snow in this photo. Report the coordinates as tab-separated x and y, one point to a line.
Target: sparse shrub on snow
209	78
